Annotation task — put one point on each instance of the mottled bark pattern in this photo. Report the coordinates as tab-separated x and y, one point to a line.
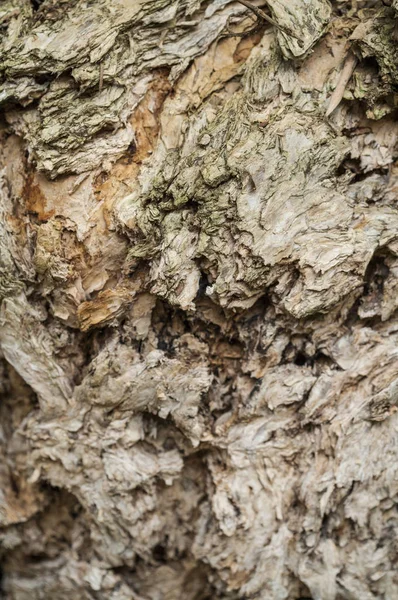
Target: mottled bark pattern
199	294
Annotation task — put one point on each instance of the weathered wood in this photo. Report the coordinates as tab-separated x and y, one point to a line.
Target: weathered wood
199	293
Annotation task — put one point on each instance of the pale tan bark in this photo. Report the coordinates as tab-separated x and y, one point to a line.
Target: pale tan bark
198	283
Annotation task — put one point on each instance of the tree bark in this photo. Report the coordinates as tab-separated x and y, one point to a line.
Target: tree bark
199	293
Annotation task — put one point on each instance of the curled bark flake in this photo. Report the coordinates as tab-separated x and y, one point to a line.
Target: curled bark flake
344	77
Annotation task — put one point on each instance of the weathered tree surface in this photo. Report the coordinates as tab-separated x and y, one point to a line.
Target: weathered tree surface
199	286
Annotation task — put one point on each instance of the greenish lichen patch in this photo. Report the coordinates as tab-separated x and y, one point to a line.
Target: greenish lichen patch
267	202
88	69
376	36
307	20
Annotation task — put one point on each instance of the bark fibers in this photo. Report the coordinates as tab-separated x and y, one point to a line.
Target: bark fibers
199	293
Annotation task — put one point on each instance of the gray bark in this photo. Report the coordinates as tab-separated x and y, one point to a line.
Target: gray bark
199	293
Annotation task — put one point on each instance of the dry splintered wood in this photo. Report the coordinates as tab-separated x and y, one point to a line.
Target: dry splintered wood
199	294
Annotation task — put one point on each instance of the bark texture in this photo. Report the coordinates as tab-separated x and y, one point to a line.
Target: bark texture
199	293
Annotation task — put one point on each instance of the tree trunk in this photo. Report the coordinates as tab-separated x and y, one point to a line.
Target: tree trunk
199	284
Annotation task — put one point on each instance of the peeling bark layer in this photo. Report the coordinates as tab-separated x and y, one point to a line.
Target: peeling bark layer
199	293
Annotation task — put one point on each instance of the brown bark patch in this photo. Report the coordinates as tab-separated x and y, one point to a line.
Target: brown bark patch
35	200
109	305
145	119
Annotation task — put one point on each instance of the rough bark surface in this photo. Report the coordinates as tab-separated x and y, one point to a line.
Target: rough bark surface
199	286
